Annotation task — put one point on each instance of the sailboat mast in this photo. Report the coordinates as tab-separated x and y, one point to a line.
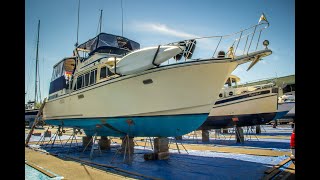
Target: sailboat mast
78	24
100	19
37	61
121	19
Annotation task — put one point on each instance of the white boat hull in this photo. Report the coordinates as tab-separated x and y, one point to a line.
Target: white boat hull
176	90
247	109
287	110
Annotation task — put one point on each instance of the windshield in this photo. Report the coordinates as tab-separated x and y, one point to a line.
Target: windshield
64	67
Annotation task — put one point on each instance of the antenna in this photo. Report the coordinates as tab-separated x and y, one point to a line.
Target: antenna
78	24
121	19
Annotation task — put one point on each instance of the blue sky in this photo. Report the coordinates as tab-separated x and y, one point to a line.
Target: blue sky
153	22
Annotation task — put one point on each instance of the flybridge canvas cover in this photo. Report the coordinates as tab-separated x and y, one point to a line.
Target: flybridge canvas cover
109	40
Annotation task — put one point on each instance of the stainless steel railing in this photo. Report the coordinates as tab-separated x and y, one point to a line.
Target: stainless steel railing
244	39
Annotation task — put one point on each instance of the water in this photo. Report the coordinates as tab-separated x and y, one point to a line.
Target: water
33	174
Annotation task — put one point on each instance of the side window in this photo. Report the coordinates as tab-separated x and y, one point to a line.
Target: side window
103	72
79	82
86	79
93	75
109	72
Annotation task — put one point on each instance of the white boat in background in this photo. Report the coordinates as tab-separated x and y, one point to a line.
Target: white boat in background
30	113
287	104
147	100
245	106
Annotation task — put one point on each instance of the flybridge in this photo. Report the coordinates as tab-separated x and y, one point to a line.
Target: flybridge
108	43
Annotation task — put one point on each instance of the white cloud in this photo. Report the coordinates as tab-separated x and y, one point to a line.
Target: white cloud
162	28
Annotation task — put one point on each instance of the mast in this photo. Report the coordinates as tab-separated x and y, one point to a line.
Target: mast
100	19
78	24
121	19
37	61
100	23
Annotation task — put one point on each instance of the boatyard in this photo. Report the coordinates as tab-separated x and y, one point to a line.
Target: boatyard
143	94
220	158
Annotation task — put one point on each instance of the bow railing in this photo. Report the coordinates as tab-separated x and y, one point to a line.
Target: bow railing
235	44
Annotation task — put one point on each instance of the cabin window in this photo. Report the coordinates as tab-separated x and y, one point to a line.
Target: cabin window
109	73
103	72
79	82
86	79
93	75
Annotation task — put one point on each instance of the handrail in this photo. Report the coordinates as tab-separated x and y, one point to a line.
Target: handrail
206	37
243	34
217	47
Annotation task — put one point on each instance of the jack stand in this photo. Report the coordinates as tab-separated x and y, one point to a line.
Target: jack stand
263	128
94	137
135	142
127	145
175	139
58	133
237	134
73	136
145	143
249	131
42	138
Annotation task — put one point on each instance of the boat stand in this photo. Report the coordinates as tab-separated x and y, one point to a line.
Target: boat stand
238	135
250	132
73	136
175	141
127	145
58	133
263	128
126	150
145	143
43	137
93	140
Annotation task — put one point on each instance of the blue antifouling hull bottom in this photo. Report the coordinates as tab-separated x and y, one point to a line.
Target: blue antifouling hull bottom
142	126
